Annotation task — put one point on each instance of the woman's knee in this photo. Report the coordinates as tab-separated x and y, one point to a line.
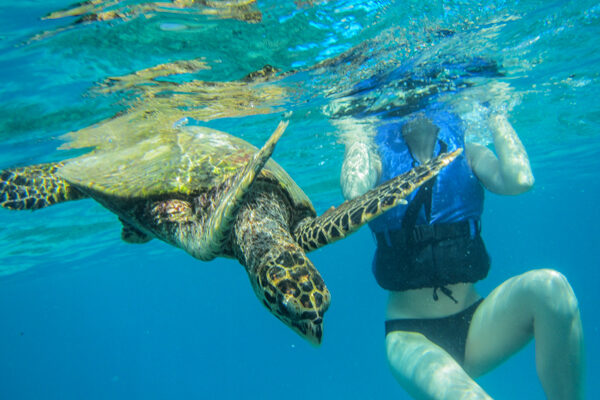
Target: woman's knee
549	291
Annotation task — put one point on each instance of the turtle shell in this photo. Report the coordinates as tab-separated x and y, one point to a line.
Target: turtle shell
185	162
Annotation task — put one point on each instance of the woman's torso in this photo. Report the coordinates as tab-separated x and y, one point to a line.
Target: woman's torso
420	303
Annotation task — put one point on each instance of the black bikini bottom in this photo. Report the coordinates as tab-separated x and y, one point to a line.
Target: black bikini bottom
450	333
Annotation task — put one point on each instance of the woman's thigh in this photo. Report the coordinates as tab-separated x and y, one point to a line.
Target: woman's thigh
426	371
503	323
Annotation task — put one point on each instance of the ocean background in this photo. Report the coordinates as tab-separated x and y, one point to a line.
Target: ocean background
84	315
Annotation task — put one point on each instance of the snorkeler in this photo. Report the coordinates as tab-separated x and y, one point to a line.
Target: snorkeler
440	333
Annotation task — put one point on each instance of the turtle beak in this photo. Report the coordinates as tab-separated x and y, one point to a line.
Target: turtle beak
312	330
306	319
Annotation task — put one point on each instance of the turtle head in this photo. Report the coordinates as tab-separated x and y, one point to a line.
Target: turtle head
291	288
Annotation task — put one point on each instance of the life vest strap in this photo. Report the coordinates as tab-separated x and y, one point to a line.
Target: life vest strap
429	233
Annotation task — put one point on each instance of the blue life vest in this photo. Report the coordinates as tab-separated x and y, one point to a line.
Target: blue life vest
457	193
445	248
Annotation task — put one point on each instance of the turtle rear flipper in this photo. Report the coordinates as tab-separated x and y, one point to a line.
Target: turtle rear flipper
35	187
338	223
218	224
131	234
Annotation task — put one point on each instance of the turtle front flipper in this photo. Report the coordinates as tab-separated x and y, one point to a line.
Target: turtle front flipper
217	227
335	224
35	187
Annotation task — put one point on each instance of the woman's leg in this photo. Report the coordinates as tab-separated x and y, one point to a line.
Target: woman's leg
426	371
539	304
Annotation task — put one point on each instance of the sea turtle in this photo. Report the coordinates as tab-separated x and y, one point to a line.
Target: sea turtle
213	194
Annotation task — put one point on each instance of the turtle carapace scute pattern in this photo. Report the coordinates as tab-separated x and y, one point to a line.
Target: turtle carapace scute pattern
215	195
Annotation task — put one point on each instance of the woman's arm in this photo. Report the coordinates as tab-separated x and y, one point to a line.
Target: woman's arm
509	172
362	166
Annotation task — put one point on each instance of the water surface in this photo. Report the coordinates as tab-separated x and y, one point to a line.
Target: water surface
84	315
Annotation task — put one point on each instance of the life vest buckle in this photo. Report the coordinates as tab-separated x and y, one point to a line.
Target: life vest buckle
423	233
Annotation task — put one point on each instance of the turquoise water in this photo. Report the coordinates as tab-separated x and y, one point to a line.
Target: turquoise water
84	315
